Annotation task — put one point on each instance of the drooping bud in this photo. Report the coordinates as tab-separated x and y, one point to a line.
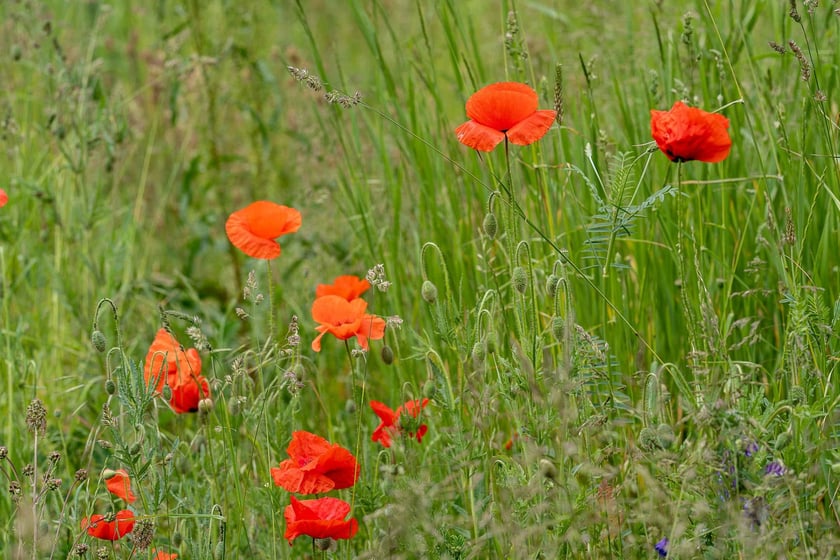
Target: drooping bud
429	292
387	355
110	387
520	279
490	225
98	340
551	284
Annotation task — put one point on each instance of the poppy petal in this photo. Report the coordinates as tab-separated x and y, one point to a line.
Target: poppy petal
501	105
4	198
686	133
252	245
532	128
478	136
348	286
270	220
120	485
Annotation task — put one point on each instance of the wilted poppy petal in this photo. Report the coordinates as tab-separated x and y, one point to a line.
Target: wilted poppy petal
253	229
502	105
531	129
478	136
119	484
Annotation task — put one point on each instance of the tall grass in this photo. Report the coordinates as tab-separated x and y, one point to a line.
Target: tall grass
641	350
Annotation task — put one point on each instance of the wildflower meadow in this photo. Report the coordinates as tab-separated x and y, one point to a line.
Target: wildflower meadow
395	279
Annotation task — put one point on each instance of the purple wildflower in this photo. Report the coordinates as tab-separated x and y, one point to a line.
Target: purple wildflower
774	468
752	447
662	547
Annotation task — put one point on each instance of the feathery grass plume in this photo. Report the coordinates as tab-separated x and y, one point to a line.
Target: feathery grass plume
804	65
302	75
558	93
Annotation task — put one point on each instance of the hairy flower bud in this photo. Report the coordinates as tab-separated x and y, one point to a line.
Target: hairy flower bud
429	292
490	225
98	340
110	387
520	279
551	284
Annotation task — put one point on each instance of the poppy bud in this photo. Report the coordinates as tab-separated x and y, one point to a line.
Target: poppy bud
98	340
648	439
167	393
110	387
782	441
490	342
551	284
520	279
490	225
205	405
429	292
387	355
558	327
547	469
176	539
109	473
478	353
350	406
666	436
135	448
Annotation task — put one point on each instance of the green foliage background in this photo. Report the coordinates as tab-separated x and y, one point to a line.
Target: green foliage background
697	310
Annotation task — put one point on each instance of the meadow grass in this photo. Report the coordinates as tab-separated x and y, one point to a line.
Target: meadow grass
641	349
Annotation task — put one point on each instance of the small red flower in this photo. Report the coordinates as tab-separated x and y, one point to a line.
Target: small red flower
390	421
349	287
320	519
97	527
4	198
686	133
168	363
345	319
504	109
119	484
253	229
161	555
315	465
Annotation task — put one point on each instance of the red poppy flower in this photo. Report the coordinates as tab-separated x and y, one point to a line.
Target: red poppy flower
161	555
4	198
315	465
345	319
503	109
349	287
119	484
390	421
320	519
253	229
96	526
168	363
686	133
